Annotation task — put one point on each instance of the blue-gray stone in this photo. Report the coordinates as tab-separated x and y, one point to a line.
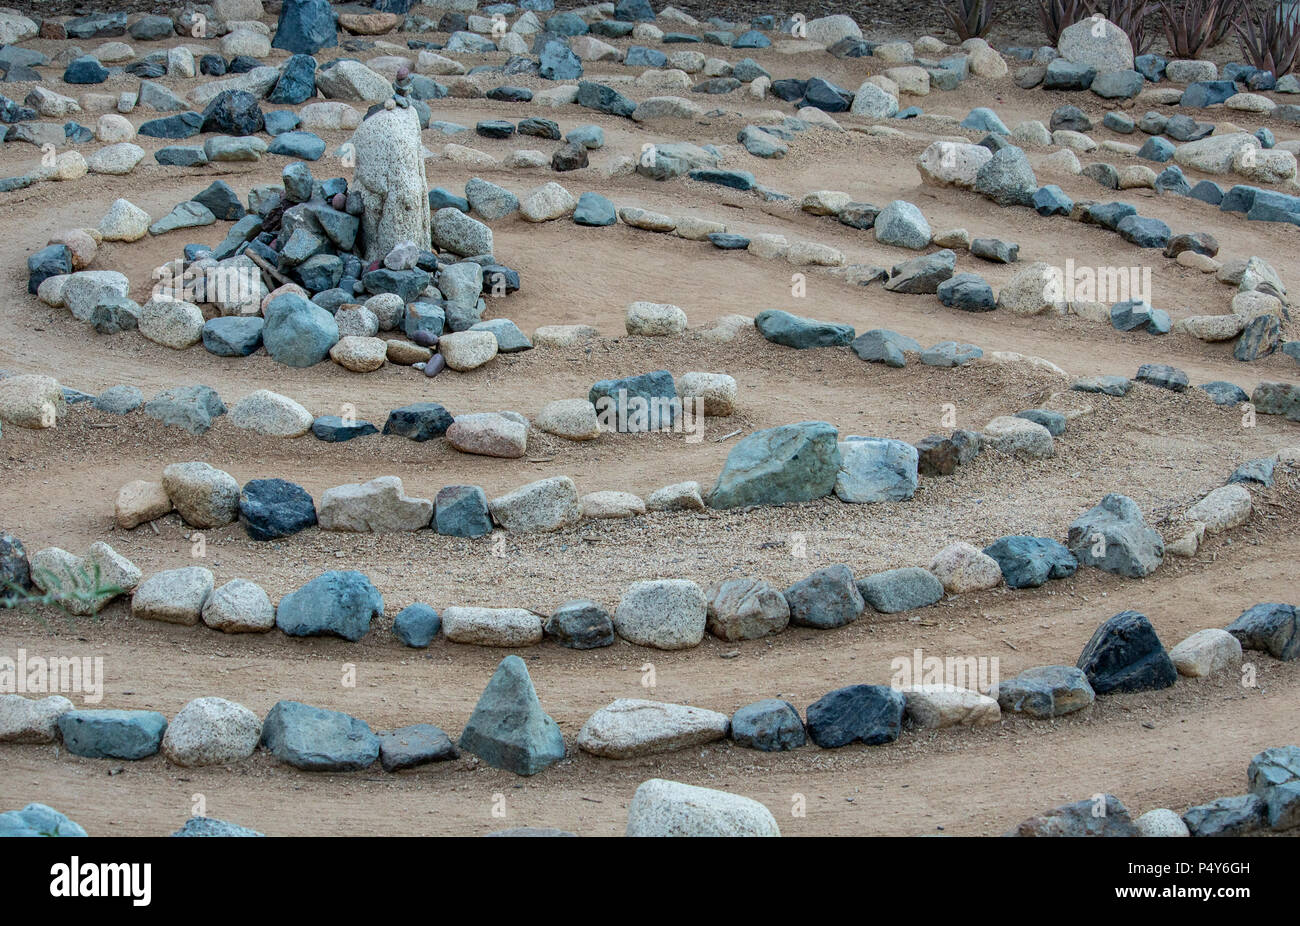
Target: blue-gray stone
788	463
1152	67
969	292
995	250
880	345
51	260
1272	627
1028	562
950	354
983	119
580	624
1258	339
416	625
1225	393
735	179
508	729
1007	178
119	400
1130	315
1109	215
589	136
1254	472
180	156
298	333
770	725
233	335
462	511
336	603
181	125
112	734
38	820
1156	149
594	210
279	121
1118	122
1045	692
318	740
1117	85
413	746
875	469
903	589
303	145
1172	180
440	199
826	599
1143	231
556	61
1125	654
297	83
211	827
870	714
1113	536
1051	200
419	422
1106	385
223	202
1053	421
272	508
1066	75
604	99
233	112
780	327
188	407
408	284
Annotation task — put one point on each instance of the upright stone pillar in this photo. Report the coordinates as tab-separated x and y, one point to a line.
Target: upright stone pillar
390	178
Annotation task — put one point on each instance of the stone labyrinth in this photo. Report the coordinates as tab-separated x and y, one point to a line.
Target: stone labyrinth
468	420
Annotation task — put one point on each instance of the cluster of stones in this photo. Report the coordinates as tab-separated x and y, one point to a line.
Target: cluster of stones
1271	804
510	730
1001	172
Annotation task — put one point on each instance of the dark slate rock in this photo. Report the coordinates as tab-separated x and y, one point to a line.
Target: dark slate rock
604	99
1104	174
1114	536
1163	376
1156	149
735	179
1070	118
1272	768
826	599
298	333
416	625
870	714
1226	816
1185	128
726	241
1117	85
333	429
1045	692
1272	627
969	292
51	260
15	571
995	250
770	725
232	335
508	729
1028	562
1152	67
1051	200
271	508
1258	339
180	156
112	734
336	603
85	70
780	327
580	624
859	215
826	96
222	201
116	400
1207	191
413	746
1007	178
1066	75
419	422
181	125
233	112
318	740
1207	93
1143	231
923	274
880	345
461	511
1125	654
306	26
408	284
1225	393
1082	818
626	402
788	463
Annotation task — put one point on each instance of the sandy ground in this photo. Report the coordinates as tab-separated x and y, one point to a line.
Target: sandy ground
1172	748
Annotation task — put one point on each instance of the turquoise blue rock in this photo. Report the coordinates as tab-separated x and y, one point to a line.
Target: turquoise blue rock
112	734
508	729
337	603
788	463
